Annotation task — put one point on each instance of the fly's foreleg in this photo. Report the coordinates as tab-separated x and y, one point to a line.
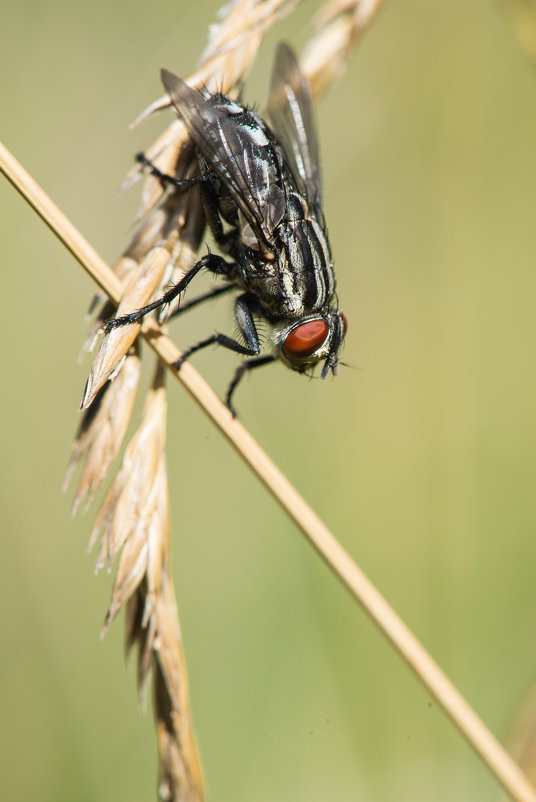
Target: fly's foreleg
211	261
244	317
244	368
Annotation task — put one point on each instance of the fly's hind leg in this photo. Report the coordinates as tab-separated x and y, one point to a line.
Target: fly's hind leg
183	184
205	183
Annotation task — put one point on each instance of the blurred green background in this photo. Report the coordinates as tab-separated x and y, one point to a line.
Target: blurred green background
422	459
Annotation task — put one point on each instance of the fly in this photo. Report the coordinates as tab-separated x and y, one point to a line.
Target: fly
262	195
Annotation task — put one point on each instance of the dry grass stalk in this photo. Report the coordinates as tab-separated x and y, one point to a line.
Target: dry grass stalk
522	737
143	582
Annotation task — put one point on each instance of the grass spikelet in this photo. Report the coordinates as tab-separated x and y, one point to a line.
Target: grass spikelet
135	518
180	777
183	252
336	29
133	499
139	288
102	430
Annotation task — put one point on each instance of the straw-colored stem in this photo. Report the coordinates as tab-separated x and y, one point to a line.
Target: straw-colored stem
394	629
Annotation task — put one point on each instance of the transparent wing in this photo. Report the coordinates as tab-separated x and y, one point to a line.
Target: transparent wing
290	110
238	154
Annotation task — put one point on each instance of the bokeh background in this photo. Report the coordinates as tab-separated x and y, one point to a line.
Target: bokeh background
421	458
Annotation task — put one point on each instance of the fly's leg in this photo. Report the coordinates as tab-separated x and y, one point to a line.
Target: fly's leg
244	307
246	366
216	339
200	298
179	183
208	196
216	264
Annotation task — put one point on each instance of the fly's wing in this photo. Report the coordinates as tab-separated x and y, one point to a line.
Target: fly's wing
241	156
290	109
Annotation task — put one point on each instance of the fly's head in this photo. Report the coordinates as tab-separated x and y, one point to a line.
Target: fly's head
305	342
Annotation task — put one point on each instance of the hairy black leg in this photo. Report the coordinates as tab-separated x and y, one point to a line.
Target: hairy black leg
178	183
215	339
245	306
211	261
244	318
200	298
209	196
246	366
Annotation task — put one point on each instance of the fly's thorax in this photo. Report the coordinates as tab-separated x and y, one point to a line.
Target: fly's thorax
296	279
305	267
300	344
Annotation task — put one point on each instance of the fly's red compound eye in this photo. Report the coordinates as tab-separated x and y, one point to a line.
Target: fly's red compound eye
304	340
